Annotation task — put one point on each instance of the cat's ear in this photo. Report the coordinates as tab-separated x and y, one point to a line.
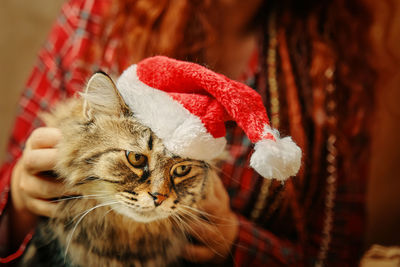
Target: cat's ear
101	96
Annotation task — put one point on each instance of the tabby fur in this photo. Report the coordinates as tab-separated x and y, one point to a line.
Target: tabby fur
112	218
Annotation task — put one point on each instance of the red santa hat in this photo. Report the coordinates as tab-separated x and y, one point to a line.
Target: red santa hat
187	105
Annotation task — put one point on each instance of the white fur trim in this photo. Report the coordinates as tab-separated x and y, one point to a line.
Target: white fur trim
269	130
278	159
182	132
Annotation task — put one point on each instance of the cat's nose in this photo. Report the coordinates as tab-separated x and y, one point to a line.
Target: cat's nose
158	198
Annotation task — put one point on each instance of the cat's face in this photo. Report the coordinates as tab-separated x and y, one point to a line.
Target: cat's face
124	165
137	173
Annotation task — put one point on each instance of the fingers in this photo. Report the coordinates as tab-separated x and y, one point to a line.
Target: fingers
217	202
41	207
215	245
40	154
216	235
205	232
198	254
43	188
44	137
31	189
39	160
220	193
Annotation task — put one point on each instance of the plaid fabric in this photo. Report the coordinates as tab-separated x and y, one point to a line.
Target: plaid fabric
271	240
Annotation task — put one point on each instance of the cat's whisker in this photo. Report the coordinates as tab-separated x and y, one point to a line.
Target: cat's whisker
193	212
198	211
107	212
80	197
195	234
192	216
69	238
179	226
197	219
207	215
225	174
79	214
178	218
183	225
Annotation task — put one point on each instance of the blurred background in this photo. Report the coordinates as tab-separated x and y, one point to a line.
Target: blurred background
25	24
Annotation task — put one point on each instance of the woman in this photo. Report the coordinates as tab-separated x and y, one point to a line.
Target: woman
292	52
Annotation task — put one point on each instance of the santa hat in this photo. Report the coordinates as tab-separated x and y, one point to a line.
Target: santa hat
187	105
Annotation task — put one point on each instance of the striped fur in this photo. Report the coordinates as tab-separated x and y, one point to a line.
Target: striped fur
112	218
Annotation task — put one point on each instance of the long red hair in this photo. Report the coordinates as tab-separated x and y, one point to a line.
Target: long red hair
178	29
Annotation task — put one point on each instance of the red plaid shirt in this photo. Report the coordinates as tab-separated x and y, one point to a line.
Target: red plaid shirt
270	240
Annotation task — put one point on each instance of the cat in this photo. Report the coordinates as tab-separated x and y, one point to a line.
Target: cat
132	197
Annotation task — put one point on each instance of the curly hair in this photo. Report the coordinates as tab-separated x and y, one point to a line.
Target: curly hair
178	29
185	29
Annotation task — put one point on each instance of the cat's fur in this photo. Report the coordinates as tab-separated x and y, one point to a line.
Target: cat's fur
114	219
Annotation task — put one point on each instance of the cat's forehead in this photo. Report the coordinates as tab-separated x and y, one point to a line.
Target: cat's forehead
143	137
127	133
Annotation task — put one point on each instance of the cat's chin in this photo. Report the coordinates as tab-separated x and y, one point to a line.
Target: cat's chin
140	216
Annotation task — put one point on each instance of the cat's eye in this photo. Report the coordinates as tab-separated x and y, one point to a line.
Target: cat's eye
135	159
181	170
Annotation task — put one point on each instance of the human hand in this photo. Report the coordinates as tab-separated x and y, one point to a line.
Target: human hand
216	234
31	189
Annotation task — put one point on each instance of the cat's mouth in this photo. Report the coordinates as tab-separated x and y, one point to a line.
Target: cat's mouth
141	214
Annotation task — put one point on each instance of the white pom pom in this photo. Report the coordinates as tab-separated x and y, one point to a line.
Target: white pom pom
278	159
